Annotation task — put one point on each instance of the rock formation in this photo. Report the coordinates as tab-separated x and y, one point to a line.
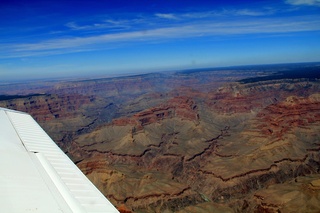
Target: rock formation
190	141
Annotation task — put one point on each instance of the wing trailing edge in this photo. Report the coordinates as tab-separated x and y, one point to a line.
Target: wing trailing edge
36	176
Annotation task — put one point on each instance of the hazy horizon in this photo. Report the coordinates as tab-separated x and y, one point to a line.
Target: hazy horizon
97	76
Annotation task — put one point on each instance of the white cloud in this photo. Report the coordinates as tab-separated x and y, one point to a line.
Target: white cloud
214	14
246	12
166	15
304	2
187	30
74	26
107	24
125	24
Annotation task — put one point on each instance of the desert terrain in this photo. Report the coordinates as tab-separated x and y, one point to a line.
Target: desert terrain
236	139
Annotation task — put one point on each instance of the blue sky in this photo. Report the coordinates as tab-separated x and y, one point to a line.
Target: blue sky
52	39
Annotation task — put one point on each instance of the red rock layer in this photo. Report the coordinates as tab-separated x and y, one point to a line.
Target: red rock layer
182	107
278	119
48	107
239	98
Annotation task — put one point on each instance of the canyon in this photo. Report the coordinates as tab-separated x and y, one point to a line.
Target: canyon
238	139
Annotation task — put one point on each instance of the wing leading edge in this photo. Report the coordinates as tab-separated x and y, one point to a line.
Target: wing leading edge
36	176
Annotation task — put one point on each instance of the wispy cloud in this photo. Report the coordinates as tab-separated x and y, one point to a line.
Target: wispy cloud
166	15
107	24
225	12
107	32
247	12
188	30
158	19
304	2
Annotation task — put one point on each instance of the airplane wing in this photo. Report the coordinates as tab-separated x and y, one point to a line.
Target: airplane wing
36	176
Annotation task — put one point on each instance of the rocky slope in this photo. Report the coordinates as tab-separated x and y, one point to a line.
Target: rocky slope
212	157
192	141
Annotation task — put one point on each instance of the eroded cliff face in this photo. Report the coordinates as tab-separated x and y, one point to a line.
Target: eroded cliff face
298	195
182	107
62	116
47	107
191	143
191	154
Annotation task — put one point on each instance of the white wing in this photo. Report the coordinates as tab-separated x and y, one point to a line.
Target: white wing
36	176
